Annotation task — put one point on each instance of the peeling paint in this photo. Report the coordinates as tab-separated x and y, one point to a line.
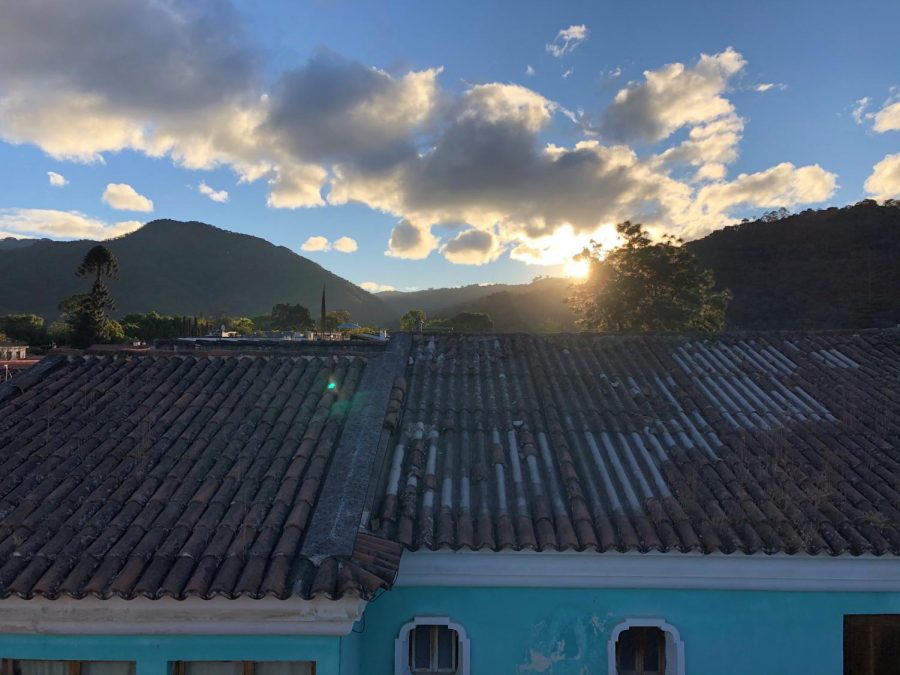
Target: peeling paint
569	643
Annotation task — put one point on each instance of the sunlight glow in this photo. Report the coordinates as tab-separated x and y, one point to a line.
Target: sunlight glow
577	269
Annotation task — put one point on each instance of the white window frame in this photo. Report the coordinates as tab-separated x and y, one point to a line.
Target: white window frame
674	644
401	644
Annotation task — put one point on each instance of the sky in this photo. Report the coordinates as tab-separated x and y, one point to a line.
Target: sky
412	145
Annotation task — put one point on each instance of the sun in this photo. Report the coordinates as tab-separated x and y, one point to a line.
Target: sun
577	268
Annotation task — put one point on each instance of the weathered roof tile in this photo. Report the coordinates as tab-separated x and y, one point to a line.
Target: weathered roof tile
767	442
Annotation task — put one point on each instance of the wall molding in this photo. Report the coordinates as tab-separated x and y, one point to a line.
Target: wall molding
715	571
166	616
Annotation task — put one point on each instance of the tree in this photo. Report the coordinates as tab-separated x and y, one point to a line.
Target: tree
285	316
642	285
24	327
86	313
241	324
472	322
413	319
335	318
99	261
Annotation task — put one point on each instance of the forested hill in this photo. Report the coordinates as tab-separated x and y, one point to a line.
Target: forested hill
834	268
178	267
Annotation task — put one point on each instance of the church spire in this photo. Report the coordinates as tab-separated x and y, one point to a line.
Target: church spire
322	320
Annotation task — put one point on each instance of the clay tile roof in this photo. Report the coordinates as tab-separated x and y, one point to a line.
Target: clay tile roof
174	476
778	442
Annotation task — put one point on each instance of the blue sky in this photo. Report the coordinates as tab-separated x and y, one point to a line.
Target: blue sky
418	129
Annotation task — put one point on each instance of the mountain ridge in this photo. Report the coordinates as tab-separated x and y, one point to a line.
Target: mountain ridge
181	267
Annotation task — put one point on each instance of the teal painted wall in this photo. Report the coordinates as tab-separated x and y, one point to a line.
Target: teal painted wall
518	630
565	631
153	653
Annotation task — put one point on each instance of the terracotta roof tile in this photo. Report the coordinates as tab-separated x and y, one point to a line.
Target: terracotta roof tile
774	442
175	475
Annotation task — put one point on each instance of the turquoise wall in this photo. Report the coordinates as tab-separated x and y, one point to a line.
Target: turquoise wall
522	630
565	631
153	653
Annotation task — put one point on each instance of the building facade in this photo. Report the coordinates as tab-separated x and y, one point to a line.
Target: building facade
457	504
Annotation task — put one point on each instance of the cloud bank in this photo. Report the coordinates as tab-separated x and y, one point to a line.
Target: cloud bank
474	161
27	223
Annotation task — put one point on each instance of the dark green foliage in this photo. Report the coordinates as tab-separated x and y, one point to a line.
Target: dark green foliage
85	320
412	320
469	322
182	268
155	326
644	286
832	268
98	262
285	316
335	318
86	314
24	328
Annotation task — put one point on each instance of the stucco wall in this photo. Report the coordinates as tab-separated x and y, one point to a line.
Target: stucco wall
153	654
565	631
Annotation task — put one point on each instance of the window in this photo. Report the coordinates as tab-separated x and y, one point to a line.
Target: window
641	651
42	667
243	668
433	649
645	647
429	645
871	643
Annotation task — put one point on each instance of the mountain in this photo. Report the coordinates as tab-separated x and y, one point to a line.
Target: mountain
178	267
8	243
832	268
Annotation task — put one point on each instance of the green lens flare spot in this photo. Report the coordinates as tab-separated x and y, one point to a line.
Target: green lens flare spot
332	385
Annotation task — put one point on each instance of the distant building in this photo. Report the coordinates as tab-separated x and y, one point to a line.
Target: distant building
13	351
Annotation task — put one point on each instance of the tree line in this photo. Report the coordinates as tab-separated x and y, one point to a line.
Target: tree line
640	285
84	317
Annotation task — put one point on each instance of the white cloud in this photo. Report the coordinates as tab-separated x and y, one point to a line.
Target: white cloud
529	71
345	245
884	182
859	110
320	243
56	179
316	243
472	247
888	118
782	185
769	86
374	287
123	197
567	40
413	242
672	97
61	224
220	196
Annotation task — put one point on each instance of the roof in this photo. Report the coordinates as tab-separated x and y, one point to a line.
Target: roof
175	476
228	474
752	443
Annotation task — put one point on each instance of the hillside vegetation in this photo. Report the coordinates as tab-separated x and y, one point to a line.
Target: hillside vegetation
832	268
181	268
